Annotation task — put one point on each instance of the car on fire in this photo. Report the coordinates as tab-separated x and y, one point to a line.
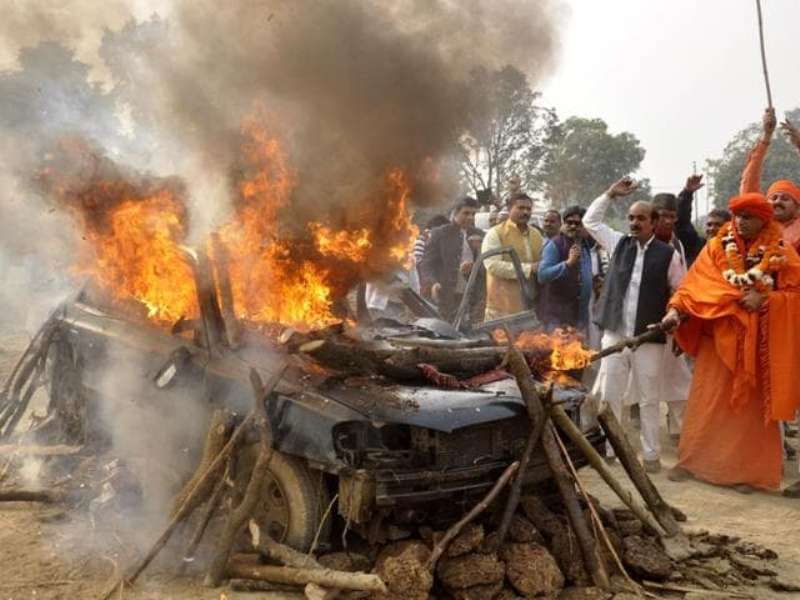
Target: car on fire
387	452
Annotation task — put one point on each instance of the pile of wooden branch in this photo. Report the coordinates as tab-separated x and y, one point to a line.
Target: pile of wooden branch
509	544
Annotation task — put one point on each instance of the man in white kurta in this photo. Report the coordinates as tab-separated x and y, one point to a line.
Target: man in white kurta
635	374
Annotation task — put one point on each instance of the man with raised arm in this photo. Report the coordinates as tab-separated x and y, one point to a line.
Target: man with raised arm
643	273
783	195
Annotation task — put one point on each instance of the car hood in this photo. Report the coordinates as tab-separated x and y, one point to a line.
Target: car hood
436	408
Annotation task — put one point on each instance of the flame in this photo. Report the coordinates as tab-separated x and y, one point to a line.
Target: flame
268	285
138	256
276	277
564	349
133	230
295	282
348	245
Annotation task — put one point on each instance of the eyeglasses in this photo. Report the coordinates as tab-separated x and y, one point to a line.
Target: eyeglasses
572	222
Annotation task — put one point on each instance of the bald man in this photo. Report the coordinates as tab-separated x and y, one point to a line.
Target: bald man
643	273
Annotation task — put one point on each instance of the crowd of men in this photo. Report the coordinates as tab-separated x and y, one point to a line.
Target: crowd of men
724	307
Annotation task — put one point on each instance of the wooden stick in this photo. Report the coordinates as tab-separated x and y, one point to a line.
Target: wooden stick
48	496
456	528
763	53
183	511
627	457
287	555
599	464
324	577
688	590
243	512
257	585
591	558
317	592
56	450
534	437
595	517
187	507
205	519
536	411
217	435
290	557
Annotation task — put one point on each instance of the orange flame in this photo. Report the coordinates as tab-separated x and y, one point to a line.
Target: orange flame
563	347
274	279
347	245
138	256
134	234
295	282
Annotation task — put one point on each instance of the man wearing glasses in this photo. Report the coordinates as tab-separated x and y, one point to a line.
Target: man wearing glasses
565	274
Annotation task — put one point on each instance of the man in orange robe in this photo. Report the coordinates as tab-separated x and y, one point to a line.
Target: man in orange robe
739	314
783	194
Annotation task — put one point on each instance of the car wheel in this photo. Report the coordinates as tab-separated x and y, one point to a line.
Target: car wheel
293	502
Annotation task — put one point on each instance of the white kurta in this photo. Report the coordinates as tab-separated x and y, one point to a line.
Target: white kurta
637	377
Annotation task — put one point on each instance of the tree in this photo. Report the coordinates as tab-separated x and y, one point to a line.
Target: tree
725	173
506	133
583	159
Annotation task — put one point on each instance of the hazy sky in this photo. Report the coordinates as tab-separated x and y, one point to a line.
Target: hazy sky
682	75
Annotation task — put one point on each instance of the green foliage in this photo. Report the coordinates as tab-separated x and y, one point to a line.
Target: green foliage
782	162
584	159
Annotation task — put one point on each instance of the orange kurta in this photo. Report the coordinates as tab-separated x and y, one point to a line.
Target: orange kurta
744	379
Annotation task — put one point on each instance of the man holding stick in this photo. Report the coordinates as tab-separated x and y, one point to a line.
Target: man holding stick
641	277
783	194
740	298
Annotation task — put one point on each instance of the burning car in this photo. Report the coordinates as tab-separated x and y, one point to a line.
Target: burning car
391	449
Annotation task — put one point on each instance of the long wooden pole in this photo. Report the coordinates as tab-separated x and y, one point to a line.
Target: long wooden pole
763	52
597	462
627	456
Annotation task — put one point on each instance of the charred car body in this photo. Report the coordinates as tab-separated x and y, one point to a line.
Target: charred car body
389	452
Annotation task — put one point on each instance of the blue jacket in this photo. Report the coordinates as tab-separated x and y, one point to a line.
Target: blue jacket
566	293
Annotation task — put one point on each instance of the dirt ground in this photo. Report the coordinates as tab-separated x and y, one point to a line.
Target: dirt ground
48	554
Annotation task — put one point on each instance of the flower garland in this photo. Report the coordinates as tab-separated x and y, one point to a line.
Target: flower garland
766	255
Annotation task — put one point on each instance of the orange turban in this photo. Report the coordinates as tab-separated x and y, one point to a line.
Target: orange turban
787	187
752	203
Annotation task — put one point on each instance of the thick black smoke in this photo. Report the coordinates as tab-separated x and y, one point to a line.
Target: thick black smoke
355	87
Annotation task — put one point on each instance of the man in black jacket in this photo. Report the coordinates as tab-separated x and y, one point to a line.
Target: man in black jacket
643	273
448	259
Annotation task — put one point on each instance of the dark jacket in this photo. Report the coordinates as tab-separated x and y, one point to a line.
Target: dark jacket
685	231
565	292
440	264
654	292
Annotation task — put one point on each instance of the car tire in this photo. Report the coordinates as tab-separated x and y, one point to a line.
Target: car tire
294	502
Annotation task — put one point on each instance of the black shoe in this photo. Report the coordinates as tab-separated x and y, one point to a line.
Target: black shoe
792	491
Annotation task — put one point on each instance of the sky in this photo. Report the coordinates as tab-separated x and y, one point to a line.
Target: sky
682	75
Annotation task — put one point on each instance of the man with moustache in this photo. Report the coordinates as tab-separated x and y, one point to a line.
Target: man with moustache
565	276
783	195
551	224
643	273
503	294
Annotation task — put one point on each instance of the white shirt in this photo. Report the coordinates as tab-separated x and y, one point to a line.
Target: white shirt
608	238
378	293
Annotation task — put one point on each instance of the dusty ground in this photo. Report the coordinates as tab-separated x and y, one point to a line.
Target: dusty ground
47	554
